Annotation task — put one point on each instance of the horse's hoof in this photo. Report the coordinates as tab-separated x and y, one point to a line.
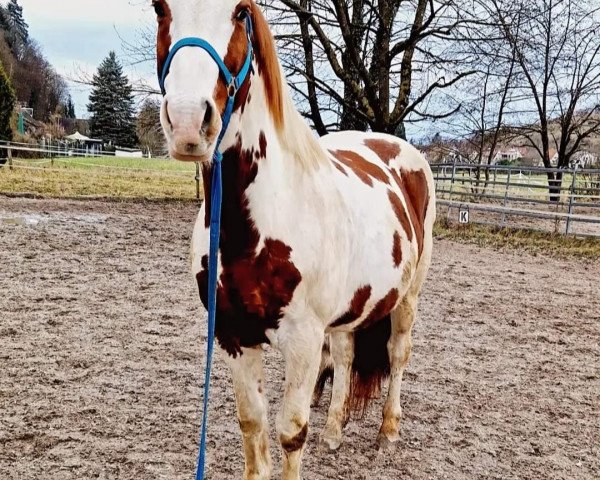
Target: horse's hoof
385	444
257	476
331	444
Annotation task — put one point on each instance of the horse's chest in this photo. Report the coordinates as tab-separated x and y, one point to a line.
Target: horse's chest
253	291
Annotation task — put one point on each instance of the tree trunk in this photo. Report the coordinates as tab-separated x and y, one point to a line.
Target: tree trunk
554	186
349	120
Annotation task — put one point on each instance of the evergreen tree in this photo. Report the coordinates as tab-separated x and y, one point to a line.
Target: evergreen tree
7	105
111	105
4	19
18	30
70	108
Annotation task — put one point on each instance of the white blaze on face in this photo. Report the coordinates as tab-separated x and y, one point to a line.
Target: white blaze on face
189	115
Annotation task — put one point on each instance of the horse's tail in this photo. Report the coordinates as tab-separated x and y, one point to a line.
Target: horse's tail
371	365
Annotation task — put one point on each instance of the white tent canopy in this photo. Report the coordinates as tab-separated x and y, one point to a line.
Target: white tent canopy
78	137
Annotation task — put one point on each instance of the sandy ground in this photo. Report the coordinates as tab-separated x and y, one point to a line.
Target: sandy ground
101	354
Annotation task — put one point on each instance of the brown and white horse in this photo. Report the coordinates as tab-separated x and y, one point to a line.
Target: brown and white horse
320	239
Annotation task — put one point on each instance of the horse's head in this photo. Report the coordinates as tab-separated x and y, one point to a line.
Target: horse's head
195	92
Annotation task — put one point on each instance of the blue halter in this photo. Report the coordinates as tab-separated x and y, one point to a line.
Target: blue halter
233	85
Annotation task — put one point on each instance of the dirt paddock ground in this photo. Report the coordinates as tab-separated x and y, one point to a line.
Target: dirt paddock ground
102	342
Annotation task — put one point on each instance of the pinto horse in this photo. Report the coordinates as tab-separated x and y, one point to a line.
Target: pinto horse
325	244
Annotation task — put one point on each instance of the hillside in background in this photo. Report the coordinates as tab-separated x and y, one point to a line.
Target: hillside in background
37	84
512	148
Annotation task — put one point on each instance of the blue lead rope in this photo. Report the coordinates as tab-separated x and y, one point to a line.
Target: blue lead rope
233	85
216	201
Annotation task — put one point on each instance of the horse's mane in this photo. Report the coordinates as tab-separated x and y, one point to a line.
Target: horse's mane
295	134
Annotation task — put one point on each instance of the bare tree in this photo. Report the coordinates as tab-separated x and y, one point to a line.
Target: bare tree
364	64
148	128
480	126
359	64
480	123
557	50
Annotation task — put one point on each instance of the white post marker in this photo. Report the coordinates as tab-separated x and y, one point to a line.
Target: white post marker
463	214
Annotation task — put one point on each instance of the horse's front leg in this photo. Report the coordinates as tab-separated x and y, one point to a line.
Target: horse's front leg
249	385
300	344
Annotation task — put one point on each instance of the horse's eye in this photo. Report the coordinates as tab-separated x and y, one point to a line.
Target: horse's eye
159	8
242	15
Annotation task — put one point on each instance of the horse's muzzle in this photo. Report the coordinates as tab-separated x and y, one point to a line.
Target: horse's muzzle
191	128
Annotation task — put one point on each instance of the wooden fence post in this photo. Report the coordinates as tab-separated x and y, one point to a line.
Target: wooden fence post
10	161
505	202
197	181
451	188
571	200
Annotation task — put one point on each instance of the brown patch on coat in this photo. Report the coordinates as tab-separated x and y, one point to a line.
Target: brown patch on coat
339	167
250	427
382	308
266	60
363	169
254	288
414	187
163	37
268	64
384	149
397	250
237	50
262	144
295	443
357	307
400	212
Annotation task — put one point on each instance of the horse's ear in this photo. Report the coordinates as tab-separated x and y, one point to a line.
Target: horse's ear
268	64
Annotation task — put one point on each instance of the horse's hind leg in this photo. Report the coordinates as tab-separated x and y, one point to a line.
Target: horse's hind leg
249	384
301	344
400	342
399	348
342	353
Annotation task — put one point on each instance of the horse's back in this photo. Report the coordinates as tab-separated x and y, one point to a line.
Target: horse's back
379	148
389	164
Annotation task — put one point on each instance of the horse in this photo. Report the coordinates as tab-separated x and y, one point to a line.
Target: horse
325	243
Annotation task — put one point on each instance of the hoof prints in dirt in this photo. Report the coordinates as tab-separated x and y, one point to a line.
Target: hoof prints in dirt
101	344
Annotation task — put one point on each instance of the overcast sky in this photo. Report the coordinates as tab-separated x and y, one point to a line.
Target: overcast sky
76	35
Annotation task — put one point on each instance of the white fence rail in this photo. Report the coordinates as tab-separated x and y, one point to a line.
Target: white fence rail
521	196
51	149
494	195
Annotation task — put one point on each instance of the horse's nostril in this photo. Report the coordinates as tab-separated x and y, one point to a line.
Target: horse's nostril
191	148
208	113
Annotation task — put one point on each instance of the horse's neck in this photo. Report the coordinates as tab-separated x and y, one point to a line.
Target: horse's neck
254	146
251	144
256	129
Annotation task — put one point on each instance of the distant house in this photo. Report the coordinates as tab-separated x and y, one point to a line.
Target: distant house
26	122
508	155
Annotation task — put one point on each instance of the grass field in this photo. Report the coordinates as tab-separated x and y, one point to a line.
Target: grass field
100	177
